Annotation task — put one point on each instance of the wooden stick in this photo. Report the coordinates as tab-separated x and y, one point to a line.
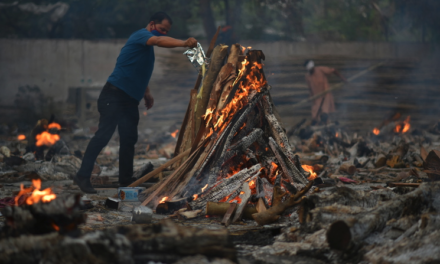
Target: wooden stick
336	86
227	218
158	170
402	184
163	184
196	87
217	208
244	200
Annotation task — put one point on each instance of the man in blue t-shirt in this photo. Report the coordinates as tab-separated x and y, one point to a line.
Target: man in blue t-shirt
120	97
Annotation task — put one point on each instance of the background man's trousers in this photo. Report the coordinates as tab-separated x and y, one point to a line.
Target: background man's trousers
116	109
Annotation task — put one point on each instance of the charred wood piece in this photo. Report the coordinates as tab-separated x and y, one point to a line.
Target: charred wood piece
225	187
62	214
220	209
278	207
288	167
277	130
343	234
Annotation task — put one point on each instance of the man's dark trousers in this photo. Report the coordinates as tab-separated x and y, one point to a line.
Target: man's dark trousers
117	109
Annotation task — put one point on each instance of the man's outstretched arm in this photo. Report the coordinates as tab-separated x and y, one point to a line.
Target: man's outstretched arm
168	42
337	73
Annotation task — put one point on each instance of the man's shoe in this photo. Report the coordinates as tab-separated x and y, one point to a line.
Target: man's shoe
84	184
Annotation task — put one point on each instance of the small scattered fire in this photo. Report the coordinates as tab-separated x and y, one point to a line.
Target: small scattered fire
55	227
145	113
46	138
54	125
337	134
195	196
204	188
164	199
174	134
376	131
35	194
403	127
309	168
21	137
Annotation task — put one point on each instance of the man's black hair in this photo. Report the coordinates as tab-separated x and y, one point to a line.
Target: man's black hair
158	17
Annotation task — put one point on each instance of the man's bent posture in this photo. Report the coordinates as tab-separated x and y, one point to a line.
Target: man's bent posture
120	97
316	78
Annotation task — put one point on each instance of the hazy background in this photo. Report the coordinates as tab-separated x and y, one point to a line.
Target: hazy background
47	47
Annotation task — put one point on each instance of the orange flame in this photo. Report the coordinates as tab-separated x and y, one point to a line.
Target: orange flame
163	199
34	193
174	134
407	125
403	127
240	98
195	196
54	125
252	184
54	226
21	137
337	134
46	139
376	131
313	174
204	188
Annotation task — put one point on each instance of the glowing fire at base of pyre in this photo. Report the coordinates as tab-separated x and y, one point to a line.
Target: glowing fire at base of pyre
310	169
34	194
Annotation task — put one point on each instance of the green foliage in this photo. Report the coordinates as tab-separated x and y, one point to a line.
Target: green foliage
338	20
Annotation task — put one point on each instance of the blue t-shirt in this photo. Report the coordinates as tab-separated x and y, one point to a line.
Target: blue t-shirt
134	65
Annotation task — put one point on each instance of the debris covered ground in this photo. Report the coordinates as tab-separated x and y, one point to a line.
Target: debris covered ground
375	199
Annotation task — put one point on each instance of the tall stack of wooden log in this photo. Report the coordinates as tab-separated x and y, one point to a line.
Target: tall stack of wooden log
232	146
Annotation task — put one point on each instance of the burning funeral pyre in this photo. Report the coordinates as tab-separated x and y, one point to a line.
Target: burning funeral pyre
240	153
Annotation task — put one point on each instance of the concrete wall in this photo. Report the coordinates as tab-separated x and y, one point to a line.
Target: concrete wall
55	65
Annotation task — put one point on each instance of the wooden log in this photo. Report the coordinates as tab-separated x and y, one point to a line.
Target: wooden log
277	130
432	164
403	184
226	89
169	207
225	187
215	65
245	196
187	135
217	208
261	206
348	168
279	207
416	245
194	90
158	170
343	234
243	143
286	164
227	218
165	242
381	160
